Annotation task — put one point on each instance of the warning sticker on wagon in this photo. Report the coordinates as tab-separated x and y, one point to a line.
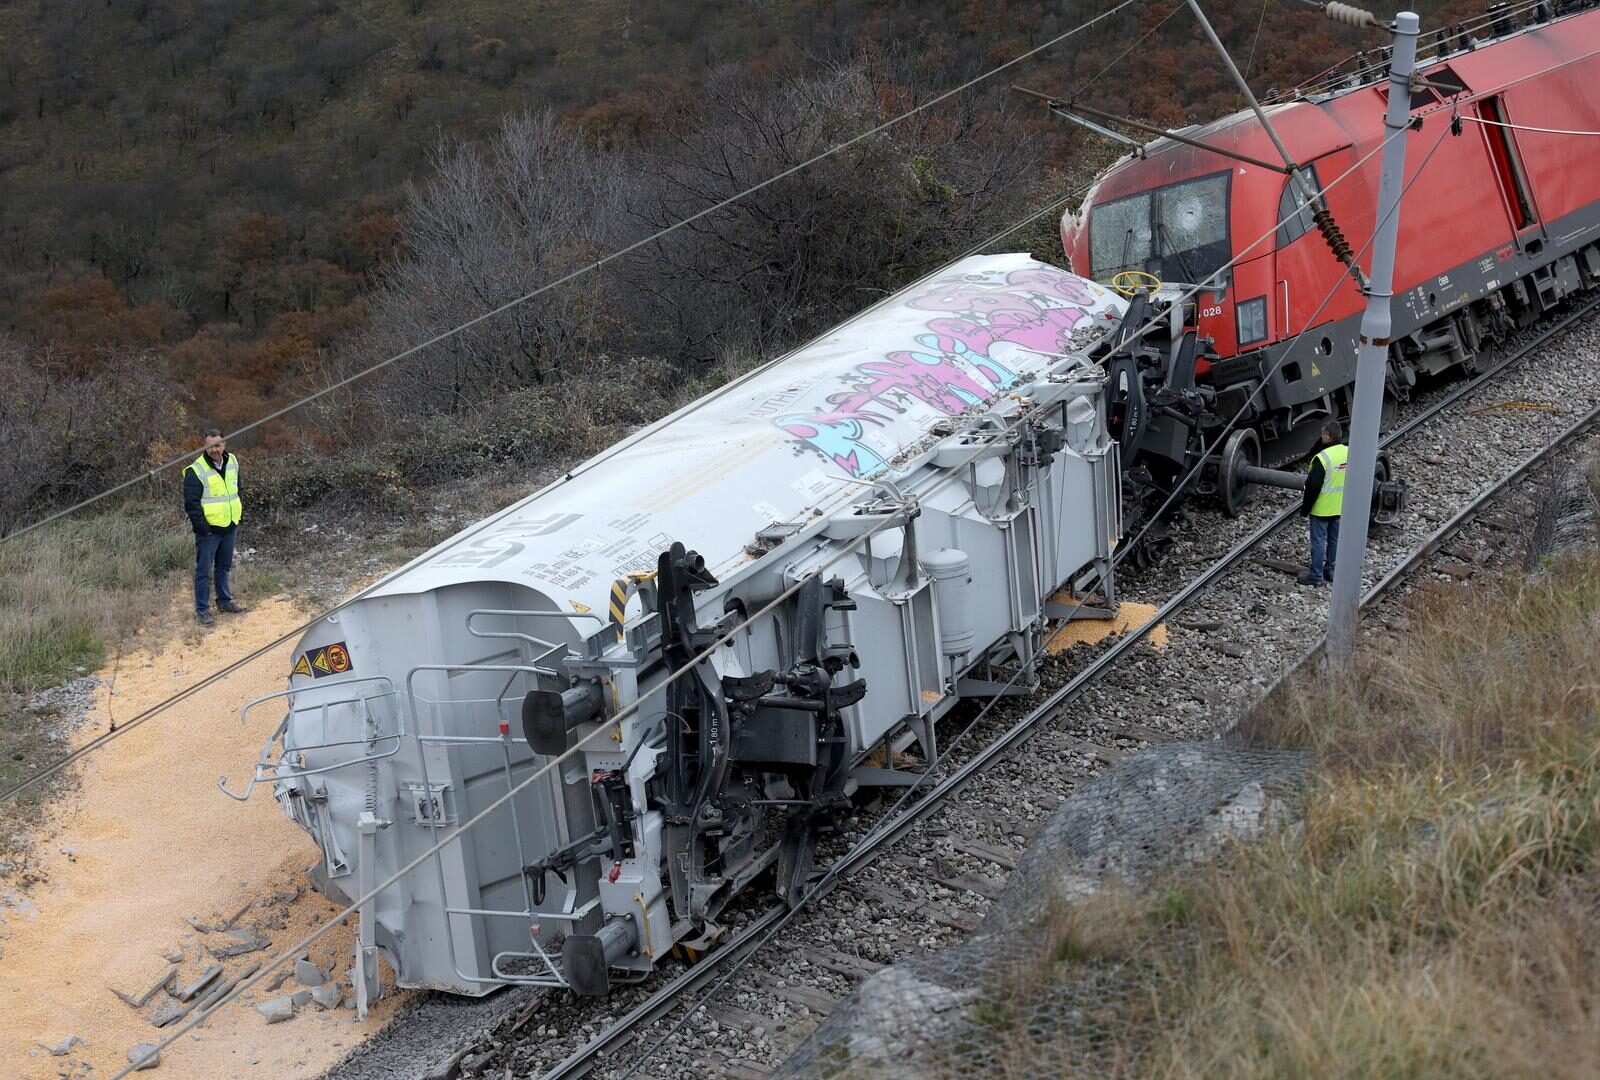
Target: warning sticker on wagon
324	660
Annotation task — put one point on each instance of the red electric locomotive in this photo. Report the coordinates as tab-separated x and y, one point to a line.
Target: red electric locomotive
1499	225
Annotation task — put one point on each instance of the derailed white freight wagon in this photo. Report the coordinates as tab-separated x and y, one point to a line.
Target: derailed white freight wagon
928	474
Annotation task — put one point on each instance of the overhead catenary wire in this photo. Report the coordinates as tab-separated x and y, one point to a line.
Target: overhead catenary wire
95	744
887	820
605	260
728	635
724	637
100	741
1115	60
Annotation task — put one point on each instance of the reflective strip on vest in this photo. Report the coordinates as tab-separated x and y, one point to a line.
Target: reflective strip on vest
219	497
1330	502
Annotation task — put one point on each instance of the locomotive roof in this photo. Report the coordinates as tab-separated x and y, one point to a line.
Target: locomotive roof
1318	124
800	436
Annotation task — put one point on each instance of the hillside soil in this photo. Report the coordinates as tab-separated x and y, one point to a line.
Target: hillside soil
145	845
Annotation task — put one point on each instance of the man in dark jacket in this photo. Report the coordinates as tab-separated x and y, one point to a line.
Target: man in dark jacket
211	499
1324	502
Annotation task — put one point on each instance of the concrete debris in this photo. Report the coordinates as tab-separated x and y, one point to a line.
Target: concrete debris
227	924
308	974
247	942
188	992
279	979
300	997
174	957
327	995
171	1013
143	1056
62	1049
194	921
221	989
141	1000
277	1010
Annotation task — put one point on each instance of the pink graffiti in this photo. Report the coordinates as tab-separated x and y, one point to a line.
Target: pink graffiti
1026	314
930	379
1038	310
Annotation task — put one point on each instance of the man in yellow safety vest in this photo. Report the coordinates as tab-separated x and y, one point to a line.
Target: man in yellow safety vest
1324	502
211	499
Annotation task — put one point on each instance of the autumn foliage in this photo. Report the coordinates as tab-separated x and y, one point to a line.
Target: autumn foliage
206	202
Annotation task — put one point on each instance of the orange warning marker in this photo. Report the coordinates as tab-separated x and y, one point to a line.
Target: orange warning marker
338	659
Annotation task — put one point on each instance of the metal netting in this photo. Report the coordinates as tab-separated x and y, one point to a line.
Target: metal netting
1569	515
993	1005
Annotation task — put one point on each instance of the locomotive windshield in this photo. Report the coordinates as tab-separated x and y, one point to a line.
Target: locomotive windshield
1178	232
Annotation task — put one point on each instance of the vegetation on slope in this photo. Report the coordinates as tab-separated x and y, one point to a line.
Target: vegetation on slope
1431	912
198	198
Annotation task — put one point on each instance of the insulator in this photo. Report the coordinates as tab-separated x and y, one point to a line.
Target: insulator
1349	14
1334	235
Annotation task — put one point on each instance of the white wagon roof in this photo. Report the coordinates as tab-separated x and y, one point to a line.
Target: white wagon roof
798	435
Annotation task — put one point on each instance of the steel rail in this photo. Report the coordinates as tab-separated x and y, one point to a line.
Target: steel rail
1434	542
664	1000
870	847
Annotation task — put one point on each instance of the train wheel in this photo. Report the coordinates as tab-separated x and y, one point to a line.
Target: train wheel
1242	448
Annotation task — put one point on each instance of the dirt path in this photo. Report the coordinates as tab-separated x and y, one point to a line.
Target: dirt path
147	843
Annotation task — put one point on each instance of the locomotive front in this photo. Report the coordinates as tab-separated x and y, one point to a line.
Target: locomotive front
679	660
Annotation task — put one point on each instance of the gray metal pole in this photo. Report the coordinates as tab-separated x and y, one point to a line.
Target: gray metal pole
1372	360
1306	190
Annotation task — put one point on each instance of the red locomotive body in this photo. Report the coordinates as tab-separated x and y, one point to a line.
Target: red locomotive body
1498	225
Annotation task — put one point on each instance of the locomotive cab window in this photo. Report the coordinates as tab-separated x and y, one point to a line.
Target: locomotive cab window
1178	232
1294	203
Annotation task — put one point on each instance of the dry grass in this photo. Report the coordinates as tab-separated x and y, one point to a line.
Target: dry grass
69	591
1436	909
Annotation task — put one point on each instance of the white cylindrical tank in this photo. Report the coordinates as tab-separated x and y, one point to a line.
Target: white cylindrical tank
952	581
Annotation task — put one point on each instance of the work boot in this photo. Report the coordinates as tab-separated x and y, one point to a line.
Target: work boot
232	609
1308	578
204	618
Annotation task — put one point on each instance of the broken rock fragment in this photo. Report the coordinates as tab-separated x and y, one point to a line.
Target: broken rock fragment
277	1010
188	992
63	1048
139	1001
143	1056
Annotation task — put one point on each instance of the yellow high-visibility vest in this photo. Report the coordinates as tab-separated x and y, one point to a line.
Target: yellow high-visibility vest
1330	502
219	491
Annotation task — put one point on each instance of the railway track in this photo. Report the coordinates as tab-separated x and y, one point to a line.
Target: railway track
1104	730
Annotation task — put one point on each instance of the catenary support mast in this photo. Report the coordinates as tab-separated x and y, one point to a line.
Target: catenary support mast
1372	359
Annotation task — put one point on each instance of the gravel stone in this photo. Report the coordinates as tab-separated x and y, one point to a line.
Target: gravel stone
937	882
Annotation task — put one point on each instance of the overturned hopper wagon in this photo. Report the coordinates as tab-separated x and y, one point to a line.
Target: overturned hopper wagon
911	487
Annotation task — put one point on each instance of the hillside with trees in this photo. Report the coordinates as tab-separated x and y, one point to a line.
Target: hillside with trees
209	207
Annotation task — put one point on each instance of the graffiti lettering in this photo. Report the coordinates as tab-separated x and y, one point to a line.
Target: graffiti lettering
965	359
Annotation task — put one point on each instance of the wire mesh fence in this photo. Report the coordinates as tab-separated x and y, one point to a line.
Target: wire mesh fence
1002	1003
1569	514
